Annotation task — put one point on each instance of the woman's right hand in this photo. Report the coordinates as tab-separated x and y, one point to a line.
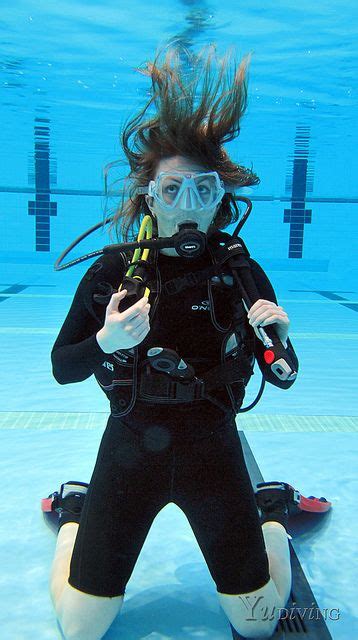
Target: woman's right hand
124	330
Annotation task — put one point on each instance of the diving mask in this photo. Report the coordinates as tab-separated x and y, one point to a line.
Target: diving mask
188	191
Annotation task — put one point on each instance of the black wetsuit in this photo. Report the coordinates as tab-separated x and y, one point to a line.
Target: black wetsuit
189	454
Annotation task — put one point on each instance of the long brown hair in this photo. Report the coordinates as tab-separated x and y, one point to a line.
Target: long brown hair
187	123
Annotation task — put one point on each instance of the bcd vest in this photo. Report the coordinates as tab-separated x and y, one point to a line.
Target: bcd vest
126	375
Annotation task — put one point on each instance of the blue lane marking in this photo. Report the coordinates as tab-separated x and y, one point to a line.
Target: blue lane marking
331	295
300	182
17	288
43	176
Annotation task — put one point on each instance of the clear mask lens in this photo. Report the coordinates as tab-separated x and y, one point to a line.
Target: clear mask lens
187	191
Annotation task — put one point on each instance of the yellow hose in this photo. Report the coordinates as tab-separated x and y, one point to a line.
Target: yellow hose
146	228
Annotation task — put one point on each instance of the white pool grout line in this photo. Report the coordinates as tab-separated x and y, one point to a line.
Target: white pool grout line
67	421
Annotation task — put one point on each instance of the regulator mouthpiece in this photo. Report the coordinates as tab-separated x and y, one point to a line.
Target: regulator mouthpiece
189	242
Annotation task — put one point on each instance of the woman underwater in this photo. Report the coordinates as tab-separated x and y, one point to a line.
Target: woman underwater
161	446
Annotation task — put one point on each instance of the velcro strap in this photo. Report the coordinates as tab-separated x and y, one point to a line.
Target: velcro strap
231	371
162	388
191	279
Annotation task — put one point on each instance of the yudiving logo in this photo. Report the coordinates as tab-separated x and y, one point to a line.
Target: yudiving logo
203	306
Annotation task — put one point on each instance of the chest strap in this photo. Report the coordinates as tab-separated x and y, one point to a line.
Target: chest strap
191	279
159	387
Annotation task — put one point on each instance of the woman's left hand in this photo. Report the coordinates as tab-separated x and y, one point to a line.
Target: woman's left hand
264	312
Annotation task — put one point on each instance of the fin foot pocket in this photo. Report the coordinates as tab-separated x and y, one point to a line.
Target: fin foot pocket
64	505
276	501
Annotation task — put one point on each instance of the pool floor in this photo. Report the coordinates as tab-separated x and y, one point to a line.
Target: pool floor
50	434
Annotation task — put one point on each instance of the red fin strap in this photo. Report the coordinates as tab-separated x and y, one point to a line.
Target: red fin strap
46	504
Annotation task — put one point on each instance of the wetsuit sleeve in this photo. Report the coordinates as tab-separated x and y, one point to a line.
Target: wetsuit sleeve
266	291
76	352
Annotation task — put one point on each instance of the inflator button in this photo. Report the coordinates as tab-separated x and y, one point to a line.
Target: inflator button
269	356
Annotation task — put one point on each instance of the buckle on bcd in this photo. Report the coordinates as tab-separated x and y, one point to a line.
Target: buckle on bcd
158	387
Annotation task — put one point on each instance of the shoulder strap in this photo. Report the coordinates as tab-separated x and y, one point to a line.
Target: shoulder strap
103	277
219	245
222	245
